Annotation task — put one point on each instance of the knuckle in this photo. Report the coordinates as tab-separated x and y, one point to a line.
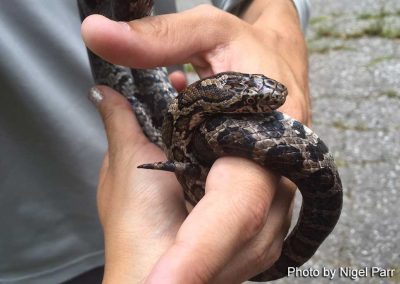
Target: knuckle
108	115
266	255
121	158
206	8
257	208
257	217
110	111
274	35
274	253
259	259
204	271
217	17
160	27
253	215
270	38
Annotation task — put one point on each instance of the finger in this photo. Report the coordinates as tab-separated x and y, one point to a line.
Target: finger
159	40
263	250
178	80
103	170
231	213
121	126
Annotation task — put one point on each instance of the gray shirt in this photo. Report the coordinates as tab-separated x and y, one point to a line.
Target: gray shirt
51	144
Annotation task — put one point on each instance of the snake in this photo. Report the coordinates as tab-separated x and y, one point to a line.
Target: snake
227	114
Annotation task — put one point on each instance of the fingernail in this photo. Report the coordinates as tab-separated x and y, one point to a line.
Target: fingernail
95	96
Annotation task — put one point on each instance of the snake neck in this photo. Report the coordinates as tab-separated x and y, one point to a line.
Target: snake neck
117	10
131	9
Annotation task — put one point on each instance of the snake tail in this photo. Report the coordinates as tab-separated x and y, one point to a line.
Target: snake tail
171	166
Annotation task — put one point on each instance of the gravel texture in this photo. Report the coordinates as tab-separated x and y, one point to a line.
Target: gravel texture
354	51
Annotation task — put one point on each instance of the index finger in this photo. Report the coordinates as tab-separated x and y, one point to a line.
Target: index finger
159	40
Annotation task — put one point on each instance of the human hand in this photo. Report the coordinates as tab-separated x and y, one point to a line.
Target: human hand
237	229
140	214
213	41
144	217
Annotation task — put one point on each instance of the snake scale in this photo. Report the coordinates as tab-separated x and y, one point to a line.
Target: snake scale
227	114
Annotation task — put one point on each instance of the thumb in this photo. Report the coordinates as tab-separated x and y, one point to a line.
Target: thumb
120	123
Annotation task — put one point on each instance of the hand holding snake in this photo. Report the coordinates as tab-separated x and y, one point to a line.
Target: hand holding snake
220	54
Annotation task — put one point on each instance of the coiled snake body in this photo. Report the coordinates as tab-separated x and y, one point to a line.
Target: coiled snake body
228	114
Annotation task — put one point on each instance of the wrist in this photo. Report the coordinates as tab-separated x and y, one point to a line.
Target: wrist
261	10
120	266
130	256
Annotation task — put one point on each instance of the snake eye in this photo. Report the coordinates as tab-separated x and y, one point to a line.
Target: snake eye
250	101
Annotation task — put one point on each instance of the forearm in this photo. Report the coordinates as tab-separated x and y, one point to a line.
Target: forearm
278	24
279	18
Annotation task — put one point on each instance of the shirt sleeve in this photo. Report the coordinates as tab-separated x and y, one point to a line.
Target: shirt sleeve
237	6
232	6
303	9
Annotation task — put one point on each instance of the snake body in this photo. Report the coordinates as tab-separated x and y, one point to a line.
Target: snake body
232	114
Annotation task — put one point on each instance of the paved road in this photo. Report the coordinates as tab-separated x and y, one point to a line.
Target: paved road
355	87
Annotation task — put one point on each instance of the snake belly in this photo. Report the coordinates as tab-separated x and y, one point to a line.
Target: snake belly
228	114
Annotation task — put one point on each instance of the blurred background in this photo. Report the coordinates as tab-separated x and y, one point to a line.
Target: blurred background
354	55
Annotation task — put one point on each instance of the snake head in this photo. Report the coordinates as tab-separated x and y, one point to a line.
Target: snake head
246	93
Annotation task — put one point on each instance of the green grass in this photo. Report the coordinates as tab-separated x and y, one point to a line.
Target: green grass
188	68
361	127
380	59
325	31
368	16
391	33
396	276
379	15
376	26
340	163
375	29
325	49
378	30
336	14
373	16
342	126
319	19
392	94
